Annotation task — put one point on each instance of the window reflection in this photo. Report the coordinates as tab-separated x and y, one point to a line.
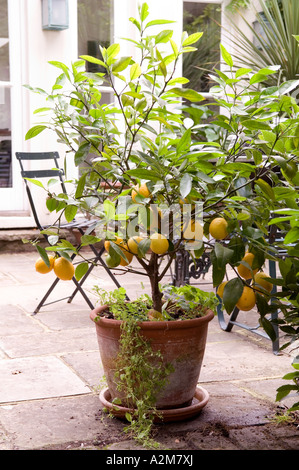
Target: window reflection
202	17
95	27
4	44
5	109
5	139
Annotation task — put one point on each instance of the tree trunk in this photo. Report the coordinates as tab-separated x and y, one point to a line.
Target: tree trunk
154	280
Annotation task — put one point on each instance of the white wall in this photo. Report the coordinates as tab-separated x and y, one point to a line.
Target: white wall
37	47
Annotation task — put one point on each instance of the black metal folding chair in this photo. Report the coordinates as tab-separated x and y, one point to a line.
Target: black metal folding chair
81	225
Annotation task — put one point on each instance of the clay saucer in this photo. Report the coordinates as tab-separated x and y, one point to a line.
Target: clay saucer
200	399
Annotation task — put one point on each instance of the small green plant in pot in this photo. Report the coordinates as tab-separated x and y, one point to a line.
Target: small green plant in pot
156	185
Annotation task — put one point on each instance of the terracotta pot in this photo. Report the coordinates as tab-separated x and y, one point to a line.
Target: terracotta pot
182	343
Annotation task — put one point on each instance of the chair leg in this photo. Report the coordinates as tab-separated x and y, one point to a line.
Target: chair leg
90	304
226	326
42	302
81	282
98	258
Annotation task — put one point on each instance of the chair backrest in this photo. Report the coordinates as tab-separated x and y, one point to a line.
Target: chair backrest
53	170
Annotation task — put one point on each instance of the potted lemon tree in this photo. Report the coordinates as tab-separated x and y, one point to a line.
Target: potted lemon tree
159	178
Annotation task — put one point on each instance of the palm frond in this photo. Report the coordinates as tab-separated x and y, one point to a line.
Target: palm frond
276	45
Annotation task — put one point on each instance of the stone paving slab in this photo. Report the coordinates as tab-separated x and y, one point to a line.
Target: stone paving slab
52	422
54	342
31	378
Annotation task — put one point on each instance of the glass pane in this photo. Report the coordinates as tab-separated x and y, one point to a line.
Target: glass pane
5	139
4	44
95	27
206	18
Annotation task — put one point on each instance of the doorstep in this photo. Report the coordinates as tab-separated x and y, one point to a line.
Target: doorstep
11	240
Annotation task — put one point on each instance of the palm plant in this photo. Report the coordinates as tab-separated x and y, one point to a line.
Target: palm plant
273	42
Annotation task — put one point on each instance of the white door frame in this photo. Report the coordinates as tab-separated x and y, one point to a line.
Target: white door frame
13	201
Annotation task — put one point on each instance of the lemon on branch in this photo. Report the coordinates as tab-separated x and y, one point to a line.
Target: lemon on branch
159	243
218	228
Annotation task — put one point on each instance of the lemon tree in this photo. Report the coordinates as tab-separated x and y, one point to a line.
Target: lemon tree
154	146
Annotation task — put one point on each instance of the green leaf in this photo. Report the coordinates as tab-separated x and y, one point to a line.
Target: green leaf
218	271
268	327
34	131
292	236
116	252
242	71
143	174
128	417
255	124
262	304
36	182
163	36
185	185
257	78
70	212
89	240
184	142
143	246
81	270
135	71
43	254
144	11
231	293
226	56
82	153
181	80
223	254
121	64
51	204
135	22
284	390
174	48
192	39
157	22
113	50
80	186
188	94
41	110
109	209
93	60
61	66
266	188
291	376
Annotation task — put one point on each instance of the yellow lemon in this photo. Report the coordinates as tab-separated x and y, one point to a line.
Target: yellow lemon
243	271
133	244
261	280
221	289
127	254
247	300
159	243
140	190
42	268
64	269
117	241
218	228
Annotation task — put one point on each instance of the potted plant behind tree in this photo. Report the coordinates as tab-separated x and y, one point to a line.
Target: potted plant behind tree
167	187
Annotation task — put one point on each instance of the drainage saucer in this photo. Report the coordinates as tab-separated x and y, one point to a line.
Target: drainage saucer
200	399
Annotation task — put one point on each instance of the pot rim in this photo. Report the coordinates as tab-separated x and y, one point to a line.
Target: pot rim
152	324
